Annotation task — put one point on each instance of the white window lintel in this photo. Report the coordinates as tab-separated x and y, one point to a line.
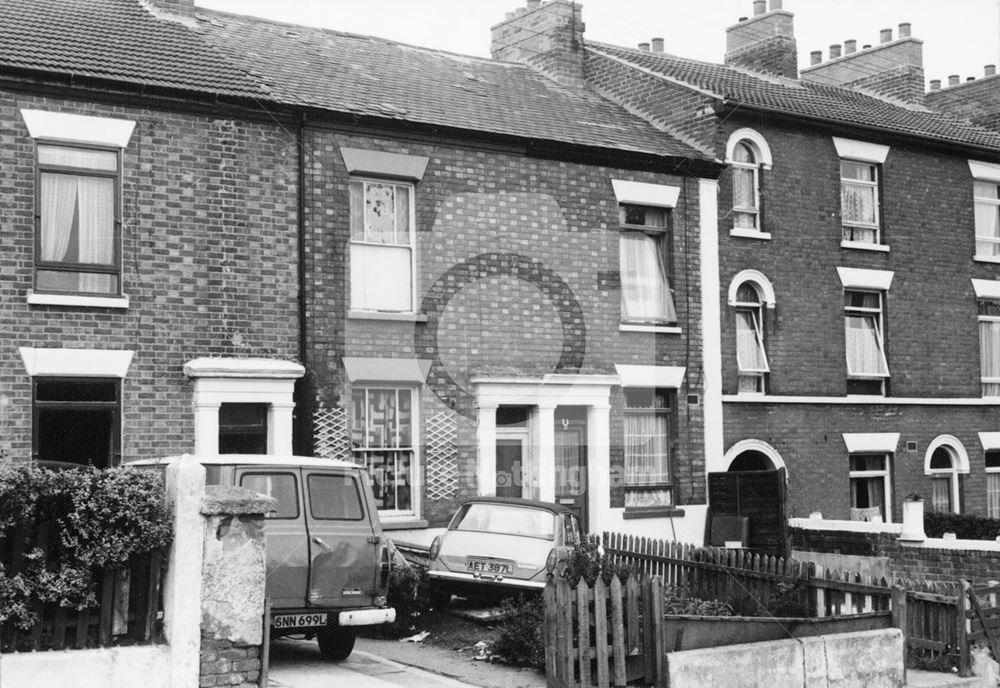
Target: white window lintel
359	161
871	442
76	362
990	440
63	126
986	171
858	278
642	193
961	464
759	279
651	376
987	289
861	150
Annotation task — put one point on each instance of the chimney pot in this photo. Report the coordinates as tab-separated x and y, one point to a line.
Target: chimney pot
885	35
759	7
835	51
775	5
519	11
904	30
935	84
970	78
657	45
644	47
742	19
509	15
534	4
952	79
850	46
815	57
990	70
866	46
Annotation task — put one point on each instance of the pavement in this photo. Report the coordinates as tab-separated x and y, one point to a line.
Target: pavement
390	664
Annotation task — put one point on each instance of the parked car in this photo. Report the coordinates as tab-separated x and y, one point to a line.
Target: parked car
500	545
327	560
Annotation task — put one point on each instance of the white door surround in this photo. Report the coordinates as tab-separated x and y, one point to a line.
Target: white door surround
545	394
220	381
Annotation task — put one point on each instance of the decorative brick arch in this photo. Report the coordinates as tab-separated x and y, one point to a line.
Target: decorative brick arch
758	446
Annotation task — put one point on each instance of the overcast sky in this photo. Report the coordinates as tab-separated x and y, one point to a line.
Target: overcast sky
960	36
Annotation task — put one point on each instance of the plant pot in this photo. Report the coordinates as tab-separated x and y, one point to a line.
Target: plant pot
913	521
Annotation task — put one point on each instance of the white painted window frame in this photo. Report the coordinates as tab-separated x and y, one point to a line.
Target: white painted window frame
763	161
884	474
365	180
959	465
988	173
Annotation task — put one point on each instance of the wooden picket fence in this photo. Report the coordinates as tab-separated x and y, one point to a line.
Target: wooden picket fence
127	611
614	634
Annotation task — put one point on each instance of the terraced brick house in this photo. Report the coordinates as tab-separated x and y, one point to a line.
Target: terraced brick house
856	345
149	240
477	280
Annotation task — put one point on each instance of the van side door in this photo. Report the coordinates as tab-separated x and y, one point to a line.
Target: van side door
284	532
345	544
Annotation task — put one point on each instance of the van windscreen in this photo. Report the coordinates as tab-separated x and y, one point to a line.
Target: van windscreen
334	497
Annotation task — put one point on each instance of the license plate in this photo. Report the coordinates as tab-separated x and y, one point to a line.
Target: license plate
486	566
298	620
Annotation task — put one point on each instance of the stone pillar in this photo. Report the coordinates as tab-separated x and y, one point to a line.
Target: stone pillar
185	486
206	428
279	428
486	437
232	589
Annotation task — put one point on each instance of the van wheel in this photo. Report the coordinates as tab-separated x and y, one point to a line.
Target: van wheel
336	645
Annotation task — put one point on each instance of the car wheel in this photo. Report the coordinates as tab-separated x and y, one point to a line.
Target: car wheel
336	644
440	599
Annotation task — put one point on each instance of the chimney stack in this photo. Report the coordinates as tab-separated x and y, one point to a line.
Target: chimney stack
935	84
644	47
953	79
892	69
183	8
765	42
990	70
815	57
548	38
657	45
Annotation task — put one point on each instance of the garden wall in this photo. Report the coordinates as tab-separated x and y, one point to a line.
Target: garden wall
849	545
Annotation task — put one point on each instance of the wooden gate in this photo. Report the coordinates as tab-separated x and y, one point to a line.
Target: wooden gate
984	616
759	496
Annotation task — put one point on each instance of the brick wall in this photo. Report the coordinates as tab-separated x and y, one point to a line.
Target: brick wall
905	561
209	263
508	209
225	663
977	101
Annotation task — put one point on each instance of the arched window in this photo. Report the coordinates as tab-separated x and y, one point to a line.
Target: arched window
751	356
746	187
945	460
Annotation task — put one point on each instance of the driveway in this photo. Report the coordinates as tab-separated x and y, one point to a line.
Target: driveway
297	664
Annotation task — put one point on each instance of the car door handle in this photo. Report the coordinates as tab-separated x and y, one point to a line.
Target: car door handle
322	544
374	539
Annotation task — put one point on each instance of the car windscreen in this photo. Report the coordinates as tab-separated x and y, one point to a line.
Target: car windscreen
334	497
506	519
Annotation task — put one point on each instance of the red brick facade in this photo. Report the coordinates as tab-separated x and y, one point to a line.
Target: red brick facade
208	263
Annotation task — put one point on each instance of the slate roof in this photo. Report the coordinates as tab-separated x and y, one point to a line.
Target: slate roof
802	98
274	63
118	40
370	76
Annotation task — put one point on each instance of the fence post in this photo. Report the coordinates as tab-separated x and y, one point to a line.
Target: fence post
962	628
552	662
899	618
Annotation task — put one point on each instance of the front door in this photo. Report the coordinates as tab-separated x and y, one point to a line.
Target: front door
571	459
512	446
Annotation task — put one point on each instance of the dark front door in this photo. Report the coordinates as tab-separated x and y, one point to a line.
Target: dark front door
510	463
571	459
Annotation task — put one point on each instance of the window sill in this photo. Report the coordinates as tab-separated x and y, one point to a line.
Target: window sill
652	512
660	329
750	234
864	246
986	259
376	315
403	523
121	302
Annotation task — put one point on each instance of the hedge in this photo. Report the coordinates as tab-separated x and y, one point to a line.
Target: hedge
68	526
964	526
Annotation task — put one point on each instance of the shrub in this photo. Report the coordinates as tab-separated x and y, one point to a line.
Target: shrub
587	561
678	600
521	635
964	526
71	524
409	595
